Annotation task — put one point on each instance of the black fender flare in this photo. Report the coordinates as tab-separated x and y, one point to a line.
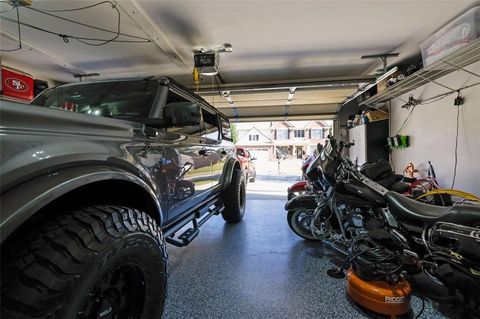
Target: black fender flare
228	169
23	201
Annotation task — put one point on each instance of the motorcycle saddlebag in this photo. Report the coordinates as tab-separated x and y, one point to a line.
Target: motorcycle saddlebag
301	202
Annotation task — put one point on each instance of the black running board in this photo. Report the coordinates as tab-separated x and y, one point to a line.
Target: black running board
197	217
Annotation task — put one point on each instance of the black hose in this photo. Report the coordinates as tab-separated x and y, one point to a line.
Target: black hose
373	255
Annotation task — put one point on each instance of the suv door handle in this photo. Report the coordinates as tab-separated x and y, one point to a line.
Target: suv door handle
202	152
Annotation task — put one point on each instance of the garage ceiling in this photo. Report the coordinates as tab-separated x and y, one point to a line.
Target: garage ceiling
272	40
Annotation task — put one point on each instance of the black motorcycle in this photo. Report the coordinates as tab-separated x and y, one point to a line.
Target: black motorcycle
385	234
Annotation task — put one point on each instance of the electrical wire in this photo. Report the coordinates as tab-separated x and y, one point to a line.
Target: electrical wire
85	24
436	98
409	116
82	8
84	40
456	147
443	95
218	86
66	37
19	34
117	34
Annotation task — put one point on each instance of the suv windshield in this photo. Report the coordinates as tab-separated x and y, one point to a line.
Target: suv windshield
117	99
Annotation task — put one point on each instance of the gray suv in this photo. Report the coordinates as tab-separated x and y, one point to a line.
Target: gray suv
95	178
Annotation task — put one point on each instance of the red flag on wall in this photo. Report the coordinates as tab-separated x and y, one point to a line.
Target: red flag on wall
17	85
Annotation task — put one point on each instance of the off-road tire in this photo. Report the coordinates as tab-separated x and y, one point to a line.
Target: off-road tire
64	266
234	198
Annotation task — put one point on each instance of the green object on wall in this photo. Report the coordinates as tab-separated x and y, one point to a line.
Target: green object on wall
398	141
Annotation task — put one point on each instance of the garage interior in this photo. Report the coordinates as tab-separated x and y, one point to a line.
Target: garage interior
357	63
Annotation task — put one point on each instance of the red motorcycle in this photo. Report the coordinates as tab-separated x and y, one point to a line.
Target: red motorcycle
300	187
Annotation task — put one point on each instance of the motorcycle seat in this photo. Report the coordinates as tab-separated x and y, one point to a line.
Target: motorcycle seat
407	209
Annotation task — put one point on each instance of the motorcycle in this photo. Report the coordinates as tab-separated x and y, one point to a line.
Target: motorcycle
385	234
299	187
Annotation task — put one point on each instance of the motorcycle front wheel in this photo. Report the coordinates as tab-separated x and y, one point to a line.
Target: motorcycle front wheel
300	223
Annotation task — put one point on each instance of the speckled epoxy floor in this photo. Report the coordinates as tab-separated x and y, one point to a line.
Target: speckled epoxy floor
258	268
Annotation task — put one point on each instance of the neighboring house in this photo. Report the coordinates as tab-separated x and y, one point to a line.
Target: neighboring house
285	139
257	142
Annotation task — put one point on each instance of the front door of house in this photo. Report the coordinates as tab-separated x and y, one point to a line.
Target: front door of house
299	152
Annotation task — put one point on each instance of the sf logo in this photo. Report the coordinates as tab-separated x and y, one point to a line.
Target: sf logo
16	84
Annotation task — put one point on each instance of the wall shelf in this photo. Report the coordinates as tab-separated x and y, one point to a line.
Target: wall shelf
453	62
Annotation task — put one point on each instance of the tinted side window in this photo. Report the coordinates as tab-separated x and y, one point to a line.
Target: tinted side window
129	100
194	130
226	130
211	125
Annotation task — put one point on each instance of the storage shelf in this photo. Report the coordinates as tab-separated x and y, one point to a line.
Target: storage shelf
459	59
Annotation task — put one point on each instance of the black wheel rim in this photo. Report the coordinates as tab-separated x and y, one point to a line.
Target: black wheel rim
119	294
302	221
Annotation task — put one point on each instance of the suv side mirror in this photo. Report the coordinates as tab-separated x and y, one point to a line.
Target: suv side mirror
182	114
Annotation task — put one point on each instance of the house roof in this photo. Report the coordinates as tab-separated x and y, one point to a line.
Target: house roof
282	123
257	130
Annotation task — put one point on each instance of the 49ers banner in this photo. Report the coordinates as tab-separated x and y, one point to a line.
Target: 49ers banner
17	85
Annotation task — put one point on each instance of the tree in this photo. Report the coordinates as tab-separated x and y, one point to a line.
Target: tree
234	131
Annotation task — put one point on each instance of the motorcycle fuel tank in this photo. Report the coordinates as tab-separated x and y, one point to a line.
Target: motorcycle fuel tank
355	192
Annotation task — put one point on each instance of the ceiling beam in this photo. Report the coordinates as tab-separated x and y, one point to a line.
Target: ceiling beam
273	86
143	20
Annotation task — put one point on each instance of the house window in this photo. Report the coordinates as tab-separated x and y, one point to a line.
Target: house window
253	137
282	134
299	133
317	134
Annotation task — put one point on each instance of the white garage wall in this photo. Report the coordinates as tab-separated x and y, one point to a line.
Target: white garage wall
432	130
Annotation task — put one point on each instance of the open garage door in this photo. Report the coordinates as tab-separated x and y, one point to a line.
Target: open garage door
259	153
315	99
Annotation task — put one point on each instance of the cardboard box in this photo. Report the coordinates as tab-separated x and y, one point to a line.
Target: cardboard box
374	116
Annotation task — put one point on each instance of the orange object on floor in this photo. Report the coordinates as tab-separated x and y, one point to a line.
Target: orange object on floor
379	296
